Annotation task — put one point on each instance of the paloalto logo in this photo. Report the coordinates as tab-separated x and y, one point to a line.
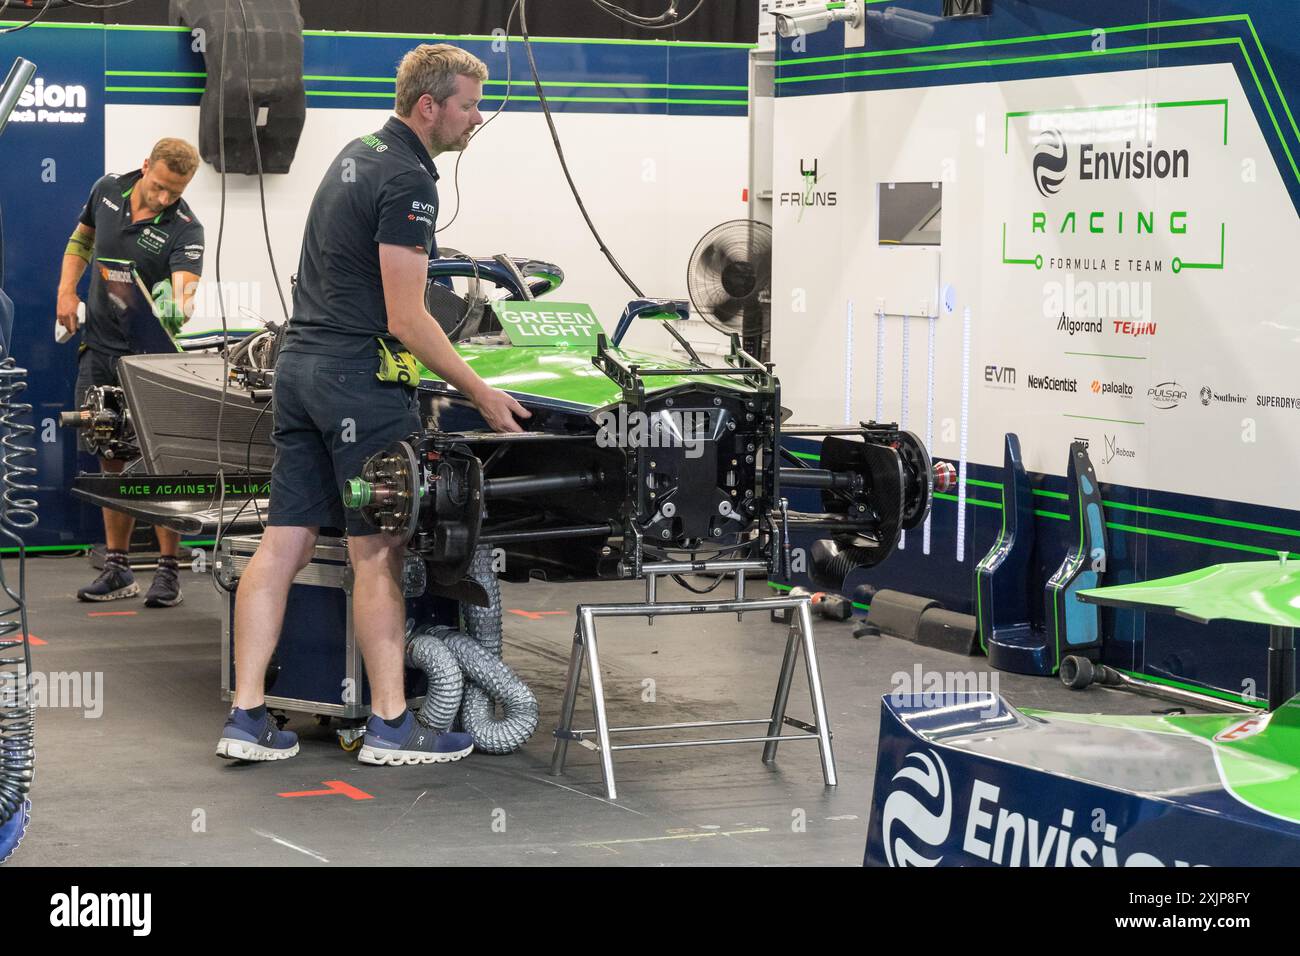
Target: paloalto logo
903	807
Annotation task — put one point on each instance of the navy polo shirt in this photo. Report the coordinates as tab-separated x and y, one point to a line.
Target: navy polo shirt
382	188
171	241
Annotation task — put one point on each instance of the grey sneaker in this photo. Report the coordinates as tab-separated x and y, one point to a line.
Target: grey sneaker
411	743
166	588
114	583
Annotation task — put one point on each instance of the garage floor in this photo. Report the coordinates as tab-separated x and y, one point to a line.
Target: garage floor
139	784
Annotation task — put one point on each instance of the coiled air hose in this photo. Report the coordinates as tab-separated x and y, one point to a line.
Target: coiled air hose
488	681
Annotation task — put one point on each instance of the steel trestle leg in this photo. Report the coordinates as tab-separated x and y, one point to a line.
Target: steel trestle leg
566	707
588	627
815	691
782	694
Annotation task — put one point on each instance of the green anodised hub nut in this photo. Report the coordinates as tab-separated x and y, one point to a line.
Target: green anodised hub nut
357	493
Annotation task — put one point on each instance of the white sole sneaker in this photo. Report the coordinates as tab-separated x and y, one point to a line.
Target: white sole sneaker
131	590
233	749
379	756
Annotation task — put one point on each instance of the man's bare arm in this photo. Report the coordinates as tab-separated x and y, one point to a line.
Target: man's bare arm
404	271
75	260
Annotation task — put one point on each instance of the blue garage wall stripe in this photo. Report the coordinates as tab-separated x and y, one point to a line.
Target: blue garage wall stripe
156	65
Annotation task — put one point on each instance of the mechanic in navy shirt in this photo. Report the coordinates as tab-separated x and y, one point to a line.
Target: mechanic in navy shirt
132	220
360	298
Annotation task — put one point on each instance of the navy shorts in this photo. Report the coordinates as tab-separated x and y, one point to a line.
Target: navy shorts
93	369
331	414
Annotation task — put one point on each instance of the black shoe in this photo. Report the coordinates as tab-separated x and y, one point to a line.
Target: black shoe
166	588
114	583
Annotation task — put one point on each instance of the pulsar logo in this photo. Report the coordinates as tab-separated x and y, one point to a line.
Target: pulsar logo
1050	161
902	807
1166	395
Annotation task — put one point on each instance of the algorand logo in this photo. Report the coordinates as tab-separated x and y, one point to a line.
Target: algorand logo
918	819
1050	161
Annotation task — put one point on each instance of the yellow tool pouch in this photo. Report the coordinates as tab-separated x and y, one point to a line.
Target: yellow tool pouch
399	367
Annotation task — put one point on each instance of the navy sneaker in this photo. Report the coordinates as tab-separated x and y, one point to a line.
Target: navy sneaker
410	743
166	588
245	738
114	583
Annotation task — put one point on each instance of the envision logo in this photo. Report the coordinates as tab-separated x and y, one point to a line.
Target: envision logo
1049	384
1050	161
1123	389
991	832
1166	395
902	807
53	102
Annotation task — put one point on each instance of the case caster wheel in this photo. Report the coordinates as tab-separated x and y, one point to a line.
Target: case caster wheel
350	737
280	718
1076	672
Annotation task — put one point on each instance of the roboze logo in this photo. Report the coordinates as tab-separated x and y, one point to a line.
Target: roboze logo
43	102
916	827
1052	161
1114	451
1122	389
1047	383
809	195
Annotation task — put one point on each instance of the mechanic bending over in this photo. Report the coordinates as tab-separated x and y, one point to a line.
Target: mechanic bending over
345	389
138	217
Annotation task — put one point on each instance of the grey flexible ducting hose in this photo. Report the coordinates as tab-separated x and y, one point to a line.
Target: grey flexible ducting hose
475	658
446	683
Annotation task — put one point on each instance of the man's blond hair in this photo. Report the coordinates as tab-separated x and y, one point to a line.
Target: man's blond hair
432	68
181	158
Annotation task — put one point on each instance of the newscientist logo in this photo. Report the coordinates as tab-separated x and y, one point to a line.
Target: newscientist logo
1050	383
920	818
1051	162
43	102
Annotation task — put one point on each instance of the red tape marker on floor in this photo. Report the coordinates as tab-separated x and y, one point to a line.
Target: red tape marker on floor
534	615
332	788
36	641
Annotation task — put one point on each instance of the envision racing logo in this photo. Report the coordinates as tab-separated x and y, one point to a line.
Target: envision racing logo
929	826
1050	161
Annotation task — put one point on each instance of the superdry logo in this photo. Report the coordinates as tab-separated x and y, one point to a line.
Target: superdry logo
929	824
1166	395
1048	383
1050	161
1122	389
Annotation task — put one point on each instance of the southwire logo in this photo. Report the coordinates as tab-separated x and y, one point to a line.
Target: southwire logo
991	832
1208	395
1048	383
999	376
1166	395
1073	326
929	826
1050	161
1277	401
1122	389
74	909
1113	450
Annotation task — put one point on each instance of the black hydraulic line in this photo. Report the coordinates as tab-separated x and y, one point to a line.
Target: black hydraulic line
518	486
818	478
548	534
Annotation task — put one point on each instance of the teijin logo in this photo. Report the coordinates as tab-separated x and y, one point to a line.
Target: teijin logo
1050	161
930	827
